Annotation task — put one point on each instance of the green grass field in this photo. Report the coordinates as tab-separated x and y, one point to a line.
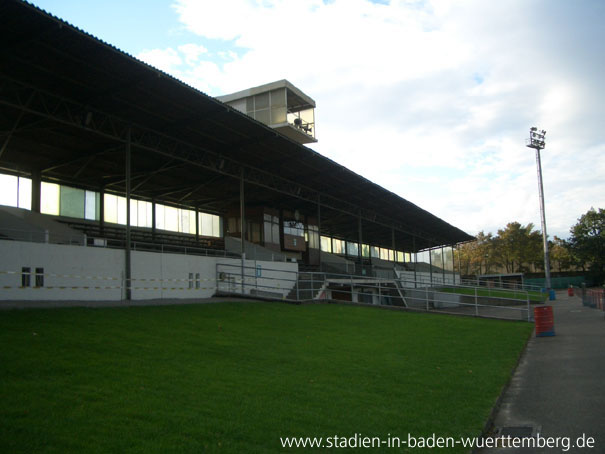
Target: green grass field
534	296
235	377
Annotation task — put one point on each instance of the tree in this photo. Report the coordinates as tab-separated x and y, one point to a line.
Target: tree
588	242
561	255
518	247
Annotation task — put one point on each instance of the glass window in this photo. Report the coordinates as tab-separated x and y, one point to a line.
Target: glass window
49	198
436	259
171	219
159	216
90	205
25	193
448	254
313	236
326	243
71	202
111	208
205	224
365	250
121	210
352	248
183	217
338	246
10	189
145	214
217	231
374	252
210	225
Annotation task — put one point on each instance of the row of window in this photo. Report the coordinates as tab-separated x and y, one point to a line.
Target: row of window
66	201
71	202
342	247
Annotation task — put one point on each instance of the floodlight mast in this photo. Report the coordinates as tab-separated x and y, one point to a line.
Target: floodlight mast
536	141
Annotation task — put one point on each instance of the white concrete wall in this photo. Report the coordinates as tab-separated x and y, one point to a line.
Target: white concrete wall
97	274
159	276
272	278
79	270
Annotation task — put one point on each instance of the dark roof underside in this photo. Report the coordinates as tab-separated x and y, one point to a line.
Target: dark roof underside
68	100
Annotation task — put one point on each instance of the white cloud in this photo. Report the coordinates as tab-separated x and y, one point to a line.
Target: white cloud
165	59
432	100
192	52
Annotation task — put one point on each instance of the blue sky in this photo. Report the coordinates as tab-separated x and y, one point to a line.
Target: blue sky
431	99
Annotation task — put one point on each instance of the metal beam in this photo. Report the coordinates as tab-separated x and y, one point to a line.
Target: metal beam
9	136
127	171
14	93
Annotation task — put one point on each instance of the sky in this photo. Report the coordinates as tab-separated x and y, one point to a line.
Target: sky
432	99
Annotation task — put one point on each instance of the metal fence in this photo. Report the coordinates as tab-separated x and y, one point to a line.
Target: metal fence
80	239
302	286
594	298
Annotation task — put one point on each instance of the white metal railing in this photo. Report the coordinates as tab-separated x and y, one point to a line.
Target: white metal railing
81	239
321	286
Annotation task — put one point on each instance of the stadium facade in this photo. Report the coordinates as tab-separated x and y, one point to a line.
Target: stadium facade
122	182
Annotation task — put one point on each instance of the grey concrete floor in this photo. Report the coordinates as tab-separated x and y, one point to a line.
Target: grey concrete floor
559	387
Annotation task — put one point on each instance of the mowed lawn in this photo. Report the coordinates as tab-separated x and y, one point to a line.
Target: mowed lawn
236	377
534	295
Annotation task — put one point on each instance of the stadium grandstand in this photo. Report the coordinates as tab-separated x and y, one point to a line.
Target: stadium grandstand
122	182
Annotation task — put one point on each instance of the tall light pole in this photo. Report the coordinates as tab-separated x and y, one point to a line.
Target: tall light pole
536	141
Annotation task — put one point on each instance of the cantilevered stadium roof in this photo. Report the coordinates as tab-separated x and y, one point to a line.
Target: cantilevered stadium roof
69	103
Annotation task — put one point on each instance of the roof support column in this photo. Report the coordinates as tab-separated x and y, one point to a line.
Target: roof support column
127	262
153	217
360	249
415	261
431	266
443	264
393	244
102	210
319	227
197	225
36	190
459	265
242	214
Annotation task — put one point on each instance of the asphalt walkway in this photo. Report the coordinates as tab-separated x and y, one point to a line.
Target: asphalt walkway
558	390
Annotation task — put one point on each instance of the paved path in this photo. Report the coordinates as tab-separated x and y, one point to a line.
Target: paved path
559	386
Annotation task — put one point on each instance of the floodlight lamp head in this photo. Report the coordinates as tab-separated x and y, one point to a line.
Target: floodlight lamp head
536	138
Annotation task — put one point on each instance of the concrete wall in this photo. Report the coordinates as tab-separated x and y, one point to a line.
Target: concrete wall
70	272
97	274
262	278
